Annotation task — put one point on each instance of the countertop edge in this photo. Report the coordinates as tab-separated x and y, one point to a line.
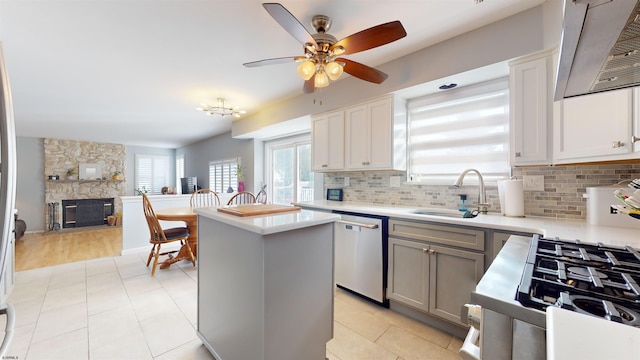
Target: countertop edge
271	223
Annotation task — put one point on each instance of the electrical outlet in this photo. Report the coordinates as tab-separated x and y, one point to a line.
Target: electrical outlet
533	182
346	181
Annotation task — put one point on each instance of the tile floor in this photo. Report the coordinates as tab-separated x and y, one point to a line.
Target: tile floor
111	308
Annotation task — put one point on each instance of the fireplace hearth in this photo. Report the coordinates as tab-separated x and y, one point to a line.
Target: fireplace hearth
86	212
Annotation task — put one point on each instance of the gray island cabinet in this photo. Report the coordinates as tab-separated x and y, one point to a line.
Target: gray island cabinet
265	284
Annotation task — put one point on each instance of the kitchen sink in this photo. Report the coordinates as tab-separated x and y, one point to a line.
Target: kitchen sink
446	213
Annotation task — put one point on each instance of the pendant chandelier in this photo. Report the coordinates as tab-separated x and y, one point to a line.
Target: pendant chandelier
221	109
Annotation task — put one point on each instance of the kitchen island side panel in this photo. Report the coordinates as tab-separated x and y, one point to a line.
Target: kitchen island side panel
230	291
299	292
265	296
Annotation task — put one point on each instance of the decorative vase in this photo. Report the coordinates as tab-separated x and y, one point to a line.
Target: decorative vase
116	177
70	177
240	186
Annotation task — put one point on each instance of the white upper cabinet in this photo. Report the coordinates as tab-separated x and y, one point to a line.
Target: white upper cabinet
374	136
531	110
369	136
327	142
596	127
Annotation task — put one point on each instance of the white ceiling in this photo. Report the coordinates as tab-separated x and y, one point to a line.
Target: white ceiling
133	71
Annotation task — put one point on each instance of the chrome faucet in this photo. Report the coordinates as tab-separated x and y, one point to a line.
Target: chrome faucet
482	194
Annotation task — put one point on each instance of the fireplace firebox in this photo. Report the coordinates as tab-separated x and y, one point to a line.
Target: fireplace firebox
86	212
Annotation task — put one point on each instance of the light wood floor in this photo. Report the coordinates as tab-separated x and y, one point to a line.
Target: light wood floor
65	246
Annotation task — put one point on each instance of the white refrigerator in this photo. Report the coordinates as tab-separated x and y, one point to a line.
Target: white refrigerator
7	202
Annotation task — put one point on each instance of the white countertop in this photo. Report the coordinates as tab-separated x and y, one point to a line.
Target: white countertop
549	227
272	223
567	337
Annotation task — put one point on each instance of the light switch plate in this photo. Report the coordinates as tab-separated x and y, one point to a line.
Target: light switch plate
533	182
346	181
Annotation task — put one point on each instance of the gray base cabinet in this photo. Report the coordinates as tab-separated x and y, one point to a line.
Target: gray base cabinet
431	277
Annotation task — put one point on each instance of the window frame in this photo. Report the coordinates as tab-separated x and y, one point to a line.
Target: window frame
281	143
475	90
233	163
165	159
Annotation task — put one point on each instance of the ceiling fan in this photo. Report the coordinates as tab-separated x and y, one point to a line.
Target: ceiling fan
320	61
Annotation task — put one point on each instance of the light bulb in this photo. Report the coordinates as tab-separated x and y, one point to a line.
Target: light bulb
306	70
334	70
321	79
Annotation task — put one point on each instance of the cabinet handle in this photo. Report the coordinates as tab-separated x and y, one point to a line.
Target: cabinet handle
325	165
635	139
431	251
518	154
365	163
617	144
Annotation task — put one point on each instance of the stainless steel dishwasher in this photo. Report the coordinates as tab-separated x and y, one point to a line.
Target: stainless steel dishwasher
361	255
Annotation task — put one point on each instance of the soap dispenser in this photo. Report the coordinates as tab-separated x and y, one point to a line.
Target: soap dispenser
463	197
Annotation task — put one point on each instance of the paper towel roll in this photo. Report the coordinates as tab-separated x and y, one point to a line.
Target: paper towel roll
511	197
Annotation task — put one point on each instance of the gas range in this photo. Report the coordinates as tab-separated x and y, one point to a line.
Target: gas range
593	279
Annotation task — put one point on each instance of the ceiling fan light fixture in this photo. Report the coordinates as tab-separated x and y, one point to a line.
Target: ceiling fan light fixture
334	70
321	80
306	70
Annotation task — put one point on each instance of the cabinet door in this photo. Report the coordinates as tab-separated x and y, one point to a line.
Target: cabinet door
381	134
453	276
357	137
408	275
530	112
327	142
591	126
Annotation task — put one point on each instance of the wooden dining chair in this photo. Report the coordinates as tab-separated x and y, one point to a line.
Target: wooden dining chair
159	236
261	197
242	198
204	198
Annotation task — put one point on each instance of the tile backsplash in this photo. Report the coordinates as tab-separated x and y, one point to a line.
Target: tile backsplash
562	198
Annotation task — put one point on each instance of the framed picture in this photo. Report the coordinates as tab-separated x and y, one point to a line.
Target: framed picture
90	172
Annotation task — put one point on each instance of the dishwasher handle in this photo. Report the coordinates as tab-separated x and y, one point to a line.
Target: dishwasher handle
366	226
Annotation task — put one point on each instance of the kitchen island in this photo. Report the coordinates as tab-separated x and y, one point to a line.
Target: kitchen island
265	284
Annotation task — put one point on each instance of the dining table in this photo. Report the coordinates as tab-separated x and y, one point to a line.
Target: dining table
190	218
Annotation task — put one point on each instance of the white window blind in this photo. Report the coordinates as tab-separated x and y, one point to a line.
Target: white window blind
460	129
152	173
223	174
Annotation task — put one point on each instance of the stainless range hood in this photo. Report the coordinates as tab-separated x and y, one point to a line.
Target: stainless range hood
600	47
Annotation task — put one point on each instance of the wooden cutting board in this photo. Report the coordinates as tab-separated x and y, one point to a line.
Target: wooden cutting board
257	209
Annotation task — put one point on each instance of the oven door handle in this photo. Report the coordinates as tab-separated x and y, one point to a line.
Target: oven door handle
366	226
469	349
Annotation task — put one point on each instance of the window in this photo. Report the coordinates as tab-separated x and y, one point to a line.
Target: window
457	130
288	167
152	173
223	174
179	172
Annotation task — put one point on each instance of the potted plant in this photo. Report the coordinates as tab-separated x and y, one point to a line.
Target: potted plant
116	175
70	172
240	179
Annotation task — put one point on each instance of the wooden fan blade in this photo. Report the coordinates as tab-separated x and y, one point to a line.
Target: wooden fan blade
362	71
372	37
274	61
289	23
310	85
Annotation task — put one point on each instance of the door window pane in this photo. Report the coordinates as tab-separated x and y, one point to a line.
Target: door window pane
283	174
305	176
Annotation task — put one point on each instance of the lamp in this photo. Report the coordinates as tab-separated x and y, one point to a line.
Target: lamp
220	109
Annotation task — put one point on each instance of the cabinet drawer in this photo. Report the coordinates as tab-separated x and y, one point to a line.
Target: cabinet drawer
446	235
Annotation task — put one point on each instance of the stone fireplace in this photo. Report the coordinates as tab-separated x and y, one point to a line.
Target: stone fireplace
61	155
